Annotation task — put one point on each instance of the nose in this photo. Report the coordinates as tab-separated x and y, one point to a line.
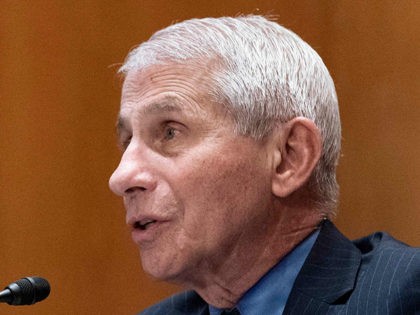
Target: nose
132	174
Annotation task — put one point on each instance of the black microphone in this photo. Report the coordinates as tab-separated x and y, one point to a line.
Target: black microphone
25	291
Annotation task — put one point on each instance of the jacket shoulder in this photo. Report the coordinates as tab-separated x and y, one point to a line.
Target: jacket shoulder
381	246
393	260
186	303
390	273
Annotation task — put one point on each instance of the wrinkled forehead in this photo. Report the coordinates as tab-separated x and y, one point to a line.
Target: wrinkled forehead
192	78
170	87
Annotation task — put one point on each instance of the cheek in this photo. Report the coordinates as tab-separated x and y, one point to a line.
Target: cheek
222	194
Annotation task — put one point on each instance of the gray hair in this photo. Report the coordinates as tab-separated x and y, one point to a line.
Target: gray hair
264	74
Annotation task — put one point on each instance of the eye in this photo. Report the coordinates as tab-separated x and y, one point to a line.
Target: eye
169	133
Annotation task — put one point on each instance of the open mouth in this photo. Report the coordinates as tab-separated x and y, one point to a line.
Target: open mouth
143	224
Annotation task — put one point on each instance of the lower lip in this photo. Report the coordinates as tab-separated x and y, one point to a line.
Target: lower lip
149	234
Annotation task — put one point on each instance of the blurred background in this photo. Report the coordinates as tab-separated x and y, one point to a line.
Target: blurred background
59	97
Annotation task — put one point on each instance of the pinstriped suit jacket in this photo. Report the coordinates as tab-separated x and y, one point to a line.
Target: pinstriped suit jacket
373	275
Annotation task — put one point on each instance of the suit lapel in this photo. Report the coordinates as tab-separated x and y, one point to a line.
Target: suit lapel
328	274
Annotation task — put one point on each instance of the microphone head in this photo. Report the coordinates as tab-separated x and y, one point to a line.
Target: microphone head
29	290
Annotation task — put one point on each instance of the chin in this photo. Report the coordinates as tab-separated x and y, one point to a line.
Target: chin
160	268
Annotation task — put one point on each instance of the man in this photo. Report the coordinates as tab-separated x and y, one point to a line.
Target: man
230	134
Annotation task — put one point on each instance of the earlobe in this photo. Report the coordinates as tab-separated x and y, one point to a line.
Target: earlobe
299	146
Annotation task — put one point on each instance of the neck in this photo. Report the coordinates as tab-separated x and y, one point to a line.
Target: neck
252	258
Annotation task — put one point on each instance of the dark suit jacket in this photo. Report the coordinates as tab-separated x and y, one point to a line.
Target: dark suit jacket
373	275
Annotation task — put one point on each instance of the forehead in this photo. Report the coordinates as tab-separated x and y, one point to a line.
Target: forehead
168	88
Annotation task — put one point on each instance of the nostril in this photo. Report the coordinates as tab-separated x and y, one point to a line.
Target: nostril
133	189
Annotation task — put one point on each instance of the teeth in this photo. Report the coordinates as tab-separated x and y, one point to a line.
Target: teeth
146	221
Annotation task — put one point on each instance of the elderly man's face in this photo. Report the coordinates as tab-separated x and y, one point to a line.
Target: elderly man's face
195	193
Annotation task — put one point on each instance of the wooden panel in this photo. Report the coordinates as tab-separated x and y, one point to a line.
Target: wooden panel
59	98
374	55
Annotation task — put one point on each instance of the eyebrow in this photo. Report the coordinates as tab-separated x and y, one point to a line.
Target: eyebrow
169	104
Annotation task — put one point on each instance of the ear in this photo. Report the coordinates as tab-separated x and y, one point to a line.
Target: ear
299	147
